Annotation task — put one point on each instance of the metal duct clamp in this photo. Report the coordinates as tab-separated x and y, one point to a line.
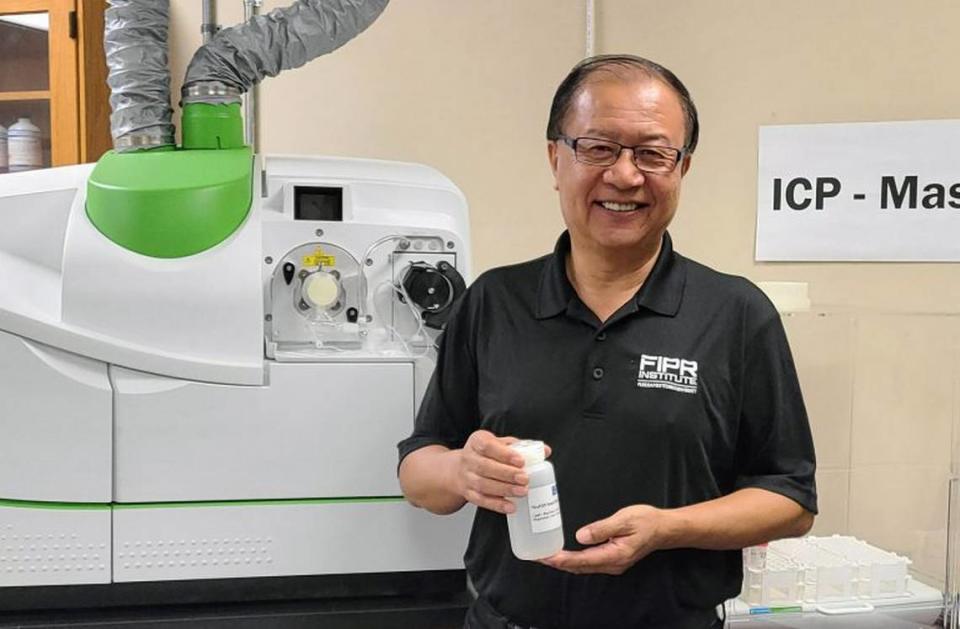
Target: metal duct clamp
211	116
211	92
142	142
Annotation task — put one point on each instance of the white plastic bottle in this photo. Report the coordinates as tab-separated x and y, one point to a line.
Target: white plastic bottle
536	530
4	159
23	140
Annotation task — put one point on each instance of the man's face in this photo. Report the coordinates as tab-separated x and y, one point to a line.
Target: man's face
611	208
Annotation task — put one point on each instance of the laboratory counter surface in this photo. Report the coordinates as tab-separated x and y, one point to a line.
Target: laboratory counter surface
426	600
429	612
436	611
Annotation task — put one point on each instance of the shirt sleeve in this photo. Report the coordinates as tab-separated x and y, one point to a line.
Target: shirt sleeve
774	447
449	413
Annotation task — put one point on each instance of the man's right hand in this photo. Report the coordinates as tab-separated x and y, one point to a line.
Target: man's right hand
485	472
490	471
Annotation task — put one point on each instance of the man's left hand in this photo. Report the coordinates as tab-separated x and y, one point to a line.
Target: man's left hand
616	543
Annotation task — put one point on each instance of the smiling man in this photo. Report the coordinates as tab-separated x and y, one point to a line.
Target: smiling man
665	389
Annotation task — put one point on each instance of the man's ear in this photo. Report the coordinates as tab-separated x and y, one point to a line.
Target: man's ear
552	156
685	165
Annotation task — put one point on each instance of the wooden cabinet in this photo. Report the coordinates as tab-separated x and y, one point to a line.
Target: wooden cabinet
53	71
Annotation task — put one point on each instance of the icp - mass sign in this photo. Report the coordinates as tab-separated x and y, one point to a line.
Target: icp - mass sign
886	191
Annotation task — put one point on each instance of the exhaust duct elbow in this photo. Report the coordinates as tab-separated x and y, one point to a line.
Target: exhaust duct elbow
241	56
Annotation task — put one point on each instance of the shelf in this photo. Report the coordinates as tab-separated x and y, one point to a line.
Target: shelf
15	96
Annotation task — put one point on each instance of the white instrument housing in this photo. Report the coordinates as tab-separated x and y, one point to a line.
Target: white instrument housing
206	417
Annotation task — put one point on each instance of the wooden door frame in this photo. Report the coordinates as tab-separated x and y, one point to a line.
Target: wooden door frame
94	107
64	88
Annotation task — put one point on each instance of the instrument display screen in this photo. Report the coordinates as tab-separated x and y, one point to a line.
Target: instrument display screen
311	203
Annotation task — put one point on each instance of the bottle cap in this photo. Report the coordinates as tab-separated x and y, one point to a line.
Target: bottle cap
531	450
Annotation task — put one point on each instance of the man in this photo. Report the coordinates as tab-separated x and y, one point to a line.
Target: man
665	389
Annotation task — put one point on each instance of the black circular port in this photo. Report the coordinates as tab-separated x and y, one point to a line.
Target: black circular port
427	288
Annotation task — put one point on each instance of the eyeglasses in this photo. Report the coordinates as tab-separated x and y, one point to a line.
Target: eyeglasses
657	160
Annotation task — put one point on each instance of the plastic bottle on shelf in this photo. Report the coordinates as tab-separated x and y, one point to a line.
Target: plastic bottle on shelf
4	159
755	557
536	530
23	144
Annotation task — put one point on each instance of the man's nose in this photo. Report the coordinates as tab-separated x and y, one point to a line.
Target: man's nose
624	173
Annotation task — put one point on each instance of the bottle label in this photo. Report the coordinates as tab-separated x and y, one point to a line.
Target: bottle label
24	151
544	508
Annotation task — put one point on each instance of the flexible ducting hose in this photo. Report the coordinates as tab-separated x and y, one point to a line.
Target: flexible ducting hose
135	42
239	57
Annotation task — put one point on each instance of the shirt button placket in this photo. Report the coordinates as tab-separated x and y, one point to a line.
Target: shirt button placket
597	372
596	362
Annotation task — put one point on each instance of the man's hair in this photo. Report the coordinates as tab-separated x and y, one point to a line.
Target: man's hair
582	71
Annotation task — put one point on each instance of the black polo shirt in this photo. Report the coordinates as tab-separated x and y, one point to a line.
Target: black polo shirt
687	393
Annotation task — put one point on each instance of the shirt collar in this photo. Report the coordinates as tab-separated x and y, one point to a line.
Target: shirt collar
661	292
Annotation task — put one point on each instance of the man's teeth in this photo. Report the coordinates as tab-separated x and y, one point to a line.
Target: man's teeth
618	207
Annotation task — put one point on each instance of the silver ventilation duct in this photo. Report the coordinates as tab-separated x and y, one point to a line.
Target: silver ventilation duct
135	42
